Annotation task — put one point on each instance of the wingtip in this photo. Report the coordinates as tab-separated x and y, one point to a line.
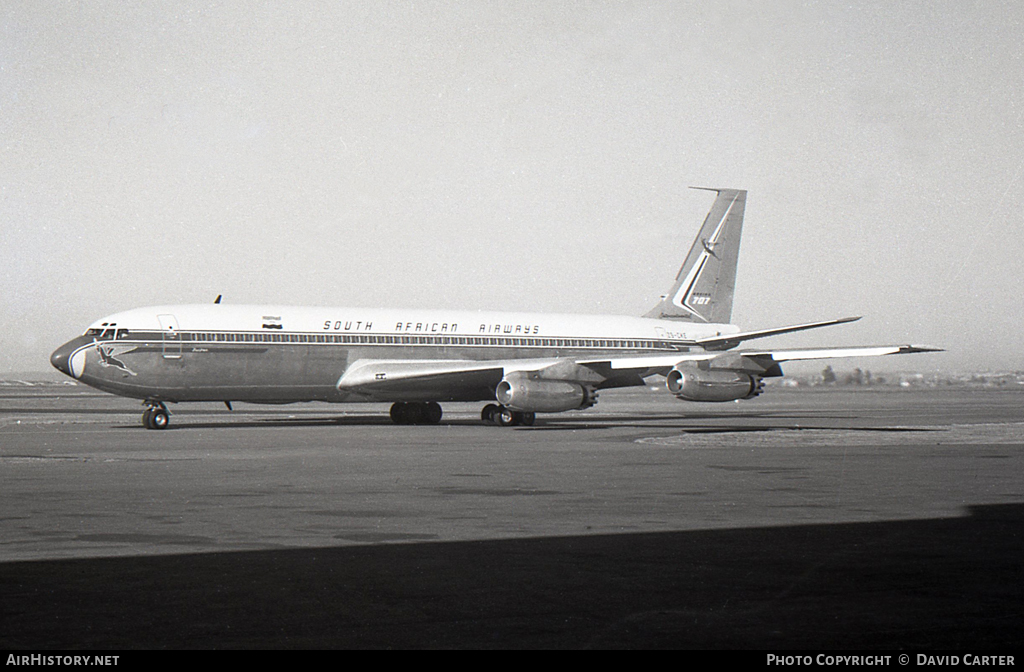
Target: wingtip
716	189
920	348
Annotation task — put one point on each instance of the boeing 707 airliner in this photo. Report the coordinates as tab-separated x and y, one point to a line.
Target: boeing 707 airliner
521	364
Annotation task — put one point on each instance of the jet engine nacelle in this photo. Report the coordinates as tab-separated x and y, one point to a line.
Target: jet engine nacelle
692	384
543	396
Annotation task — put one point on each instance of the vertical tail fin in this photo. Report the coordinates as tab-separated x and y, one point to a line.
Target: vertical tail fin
704	287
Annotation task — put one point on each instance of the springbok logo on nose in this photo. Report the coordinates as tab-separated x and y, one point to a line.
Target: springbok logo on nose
108	359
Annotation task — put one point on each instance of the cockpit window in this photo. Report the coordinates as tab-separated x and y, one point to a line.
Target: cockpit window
94	332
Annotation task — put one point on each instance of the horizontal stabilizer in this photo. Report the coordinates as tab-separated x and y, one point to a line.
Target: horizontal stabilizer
732	340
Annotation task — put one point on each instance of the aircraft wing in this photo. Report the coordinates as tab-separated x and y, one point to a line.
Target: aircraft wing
830	353
753	361
473	380
433	379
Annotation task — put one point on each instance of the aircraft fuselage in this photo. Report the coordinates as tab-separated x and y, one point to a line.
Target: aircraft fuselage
281	354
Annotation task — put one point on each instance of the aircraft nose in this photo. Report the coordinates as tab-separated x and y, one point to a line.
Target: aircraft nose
61	357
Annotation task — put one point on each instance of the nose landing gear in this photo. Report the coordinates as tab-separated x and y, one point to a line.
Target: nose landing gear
156	415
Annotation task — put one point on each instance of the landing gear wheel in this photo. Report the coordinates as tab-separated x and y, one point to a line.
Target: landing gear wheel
506	417
399	413
156	416
527	418
488	412
159	419
413	413
432	413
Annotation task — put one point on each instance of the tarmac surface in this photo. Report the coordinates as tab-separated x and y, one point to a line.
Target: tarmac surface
871	518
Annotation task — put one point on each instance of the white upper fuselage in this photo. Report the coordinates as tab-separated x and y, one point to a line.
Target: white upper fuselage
406	322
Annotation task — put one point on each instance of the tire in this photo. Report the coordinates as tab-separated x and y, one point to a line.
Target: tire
506	417
147	418
400	413
487	414
160	419
415	414
528	418
432	413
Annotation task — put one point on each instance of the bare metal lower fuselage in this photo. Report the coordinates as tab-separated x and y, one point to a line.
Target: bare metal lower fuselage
277	373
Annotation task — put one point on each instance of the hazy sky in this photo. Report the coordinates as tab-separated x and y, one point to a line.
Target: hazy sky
516	155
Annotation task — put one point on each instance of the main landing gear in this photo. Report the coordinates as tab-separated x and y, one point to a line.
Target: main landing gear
156	416
416	413
506	417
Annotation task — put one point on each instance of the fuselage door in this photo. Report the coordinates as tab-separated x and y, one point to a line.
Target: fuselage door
172	339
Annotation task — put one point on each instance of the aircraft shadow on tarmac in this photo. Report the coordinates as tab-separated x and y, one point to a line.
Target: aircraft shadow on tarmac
713	422
953	583
685	424
179	424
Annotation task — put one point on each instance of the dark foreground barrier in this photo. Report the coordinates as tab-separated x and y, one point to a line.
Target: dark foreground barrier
922	584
